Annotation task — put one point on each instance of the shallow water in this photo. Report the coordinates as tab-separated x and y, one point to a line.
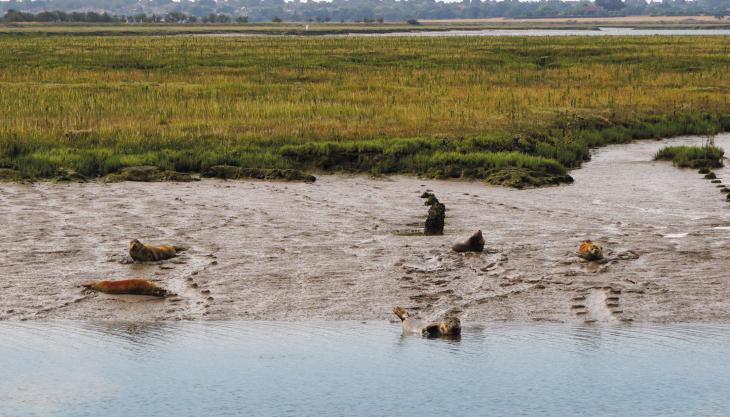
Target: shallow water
329	251
604	31
359	369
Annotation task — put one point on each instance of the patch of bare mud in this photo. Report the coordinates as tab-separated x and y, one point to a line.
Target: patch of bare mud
327	250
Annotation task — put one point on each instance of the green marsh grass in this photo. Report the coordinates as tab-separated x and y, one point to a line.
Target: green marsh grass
480	107
706	156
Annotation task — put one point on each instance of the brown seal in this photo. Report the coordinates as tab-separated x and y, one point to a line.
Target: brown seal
449	328
590	251
146	253
435	220
474	243
137	286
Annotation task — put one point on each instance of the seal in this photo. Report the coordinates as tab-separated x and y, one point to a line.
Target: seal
435	220
474	243
146	253
448	328
590	251
137	286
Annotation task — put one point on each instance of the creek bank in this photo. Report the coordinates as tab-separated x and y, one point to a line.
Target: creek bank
228	172
294	251
150	173
10	175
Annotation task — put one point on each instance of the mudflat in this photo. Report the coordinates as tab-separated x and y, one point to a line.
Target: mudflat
331	250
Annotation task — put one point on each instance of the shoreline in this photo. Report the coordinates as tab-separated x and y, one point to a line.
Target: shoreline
328	251
598	30
307	29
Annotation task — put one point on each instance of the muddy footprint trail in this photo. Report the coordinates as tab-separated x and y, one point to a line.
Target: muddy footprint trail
599	304
330	251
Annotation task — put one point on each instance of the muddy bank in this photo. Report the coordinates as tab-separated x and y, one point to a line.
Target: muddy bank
327	250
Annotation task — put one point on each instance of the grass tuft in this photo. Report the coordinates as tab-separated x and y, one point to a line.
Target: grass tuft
703	157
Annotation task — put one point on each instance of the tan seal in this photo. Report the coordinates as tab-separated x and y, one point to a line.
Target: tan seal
474	243
147	253
590	251
137	286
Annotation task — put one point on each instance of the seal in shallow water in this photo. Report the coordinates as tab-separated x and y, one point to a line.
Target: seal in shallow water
474	243
146	253
451	327
137	286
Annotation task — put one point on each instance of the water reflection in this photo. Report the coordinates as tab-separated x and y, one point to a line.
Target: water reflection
609	31
134	336
588	339
338	368
604	31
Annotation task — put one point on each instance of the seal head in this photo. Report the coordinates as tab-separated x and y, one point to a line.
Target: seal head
147	253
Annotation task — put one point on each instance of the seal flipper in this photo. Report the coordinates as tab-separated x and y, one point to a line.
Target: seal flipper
401	313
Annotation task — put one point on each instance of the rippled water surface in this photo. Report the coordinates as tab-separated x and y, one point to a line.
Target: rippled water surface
608	31
605	31
362	369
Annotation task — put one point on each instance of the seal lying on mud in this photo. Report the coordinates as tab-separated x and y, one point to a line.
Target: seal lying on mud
590	251
137	286
451	327
474	243
146	253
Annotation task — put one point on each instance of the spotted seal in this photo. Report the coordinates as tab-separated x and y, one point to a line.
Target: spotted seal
448	328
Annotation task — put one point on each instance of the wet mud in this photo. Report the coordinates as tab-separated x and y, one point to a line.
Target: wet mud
329	250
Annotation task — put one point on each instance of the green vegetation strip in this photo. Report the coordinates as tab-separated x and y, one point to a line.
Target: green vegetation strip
707	156
511	111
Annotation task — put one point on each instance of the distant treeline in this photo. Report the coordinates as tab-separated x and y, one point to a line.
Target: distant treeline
94	17
225	11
